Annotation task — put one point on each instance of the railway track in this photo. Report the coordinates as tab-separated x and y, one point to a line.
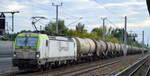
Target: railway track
73	70
147	72
85	70
92	66
140	68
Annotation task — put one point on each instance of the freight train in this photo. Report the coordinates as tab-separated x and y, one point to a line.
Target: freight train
36	51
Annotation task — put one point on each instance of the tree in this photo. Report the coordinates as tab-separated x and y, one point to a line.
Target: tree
98	31
80	27
118	33
102	31
51	28
111	39
26	31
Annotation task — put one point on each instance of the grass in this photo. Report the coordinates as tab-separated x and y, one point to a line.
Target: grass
122	68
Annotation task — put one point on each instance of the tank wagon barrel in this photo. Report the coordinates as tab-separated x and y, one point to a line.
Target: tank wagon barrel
101	48
109	49
129	49
118	49
85	46
113	46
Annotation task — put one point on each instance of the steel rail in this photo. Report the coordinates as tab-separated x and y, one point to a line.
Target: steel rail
85	70
137	68
147	72
129	71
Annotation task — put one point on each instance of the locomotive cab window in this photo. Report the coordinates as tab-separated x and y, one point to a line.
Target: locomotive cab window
26	41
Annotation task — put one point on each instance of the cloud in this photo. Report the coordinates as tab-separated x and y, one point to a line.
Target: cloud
88	9
14	6
131	13
82	4
142	23
92	26
75	0
44	1
124	4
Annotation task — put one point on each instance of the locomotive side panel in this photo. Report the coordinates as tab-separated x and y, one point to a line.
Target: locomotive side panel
61	48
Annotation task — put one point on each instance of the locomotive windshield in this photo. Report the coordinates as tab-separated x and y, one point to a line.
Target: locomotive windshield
26	41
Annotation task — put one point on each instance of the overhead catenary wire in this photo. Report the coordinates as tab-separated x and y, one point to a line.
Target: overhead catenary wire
107	9
73	16
70	17
66	14
112	23
101	3
74	21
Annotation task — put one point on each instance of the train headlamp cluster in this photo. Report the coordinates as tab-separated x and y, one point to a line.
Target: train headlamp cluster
14	54
37	54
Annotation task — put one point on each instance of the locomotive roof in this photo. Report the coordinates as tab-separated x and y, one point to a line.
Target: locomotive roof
60	38
32	35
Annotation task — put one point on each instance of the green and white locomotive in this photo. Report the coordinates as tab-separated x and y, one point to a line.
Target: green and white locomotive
33	50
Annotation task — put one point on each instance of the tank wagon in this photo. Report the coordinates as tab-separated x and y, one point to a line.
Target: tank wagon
36	51
85	46
101	48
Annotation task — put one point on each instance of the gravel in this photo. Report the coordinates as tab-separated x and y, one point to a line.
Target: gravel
109	70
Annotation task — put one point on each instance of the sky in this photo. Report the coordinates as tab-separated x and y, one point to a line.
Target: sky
88	12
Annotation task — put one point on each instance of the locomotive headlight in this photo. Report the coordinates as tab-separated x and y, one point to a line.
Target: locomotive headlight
37	54
14	54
